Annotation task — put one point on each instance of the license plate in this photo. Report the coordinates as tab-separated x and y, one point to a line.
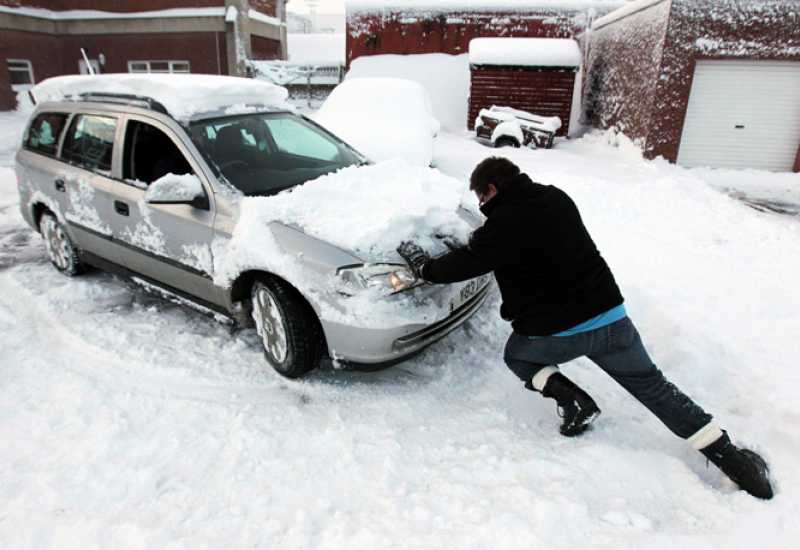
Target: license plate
470	289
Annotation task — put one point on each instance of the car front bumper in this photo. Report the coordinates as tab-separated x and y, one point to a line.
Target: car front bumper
375	348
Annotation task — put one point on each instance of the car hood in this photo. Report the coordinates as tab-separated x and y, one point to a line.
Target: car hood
369	210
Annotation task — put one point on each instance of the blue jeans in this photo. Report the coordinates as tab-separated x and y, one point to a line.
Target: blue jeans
618	350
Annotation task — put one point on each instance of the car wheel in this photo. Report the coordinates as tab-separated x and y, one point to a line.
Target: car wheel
62	253
506	141
288	328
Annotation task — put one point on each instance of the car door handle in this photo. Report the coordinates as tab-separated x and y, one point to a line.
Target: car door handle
60	185
121	208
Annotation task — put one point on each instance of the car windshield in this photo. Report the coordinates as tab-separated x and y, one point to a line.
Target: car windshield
265	153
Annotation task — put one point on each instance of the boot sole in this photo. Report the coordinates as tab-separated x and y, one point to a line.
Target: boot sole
583	426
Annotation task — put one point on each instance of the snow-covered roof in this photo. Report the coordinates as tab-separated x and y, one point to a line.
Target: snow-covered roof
628	9
525	52
184	96
65	15
317	48
354	6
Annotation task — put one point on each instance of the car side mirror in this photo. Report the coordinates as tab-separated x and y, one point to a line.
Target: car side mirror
172	189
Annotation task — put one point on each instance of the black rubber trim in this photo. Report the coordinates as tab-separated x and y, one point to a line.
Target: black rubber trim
429	335
169	261
106	265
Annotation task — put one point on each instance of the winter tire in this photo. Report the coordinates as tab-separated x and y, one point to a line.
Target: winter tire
287	326
506	141
60	250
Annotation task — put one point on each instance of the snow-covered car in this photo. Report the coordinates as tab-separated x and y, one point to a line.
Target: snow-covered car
213	192
384	118
509	127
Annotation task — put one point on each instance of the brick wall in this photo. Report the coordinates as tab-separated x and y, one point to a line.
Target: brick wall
113	5
7	97
412	33
57	55
622	68
265	48
267	7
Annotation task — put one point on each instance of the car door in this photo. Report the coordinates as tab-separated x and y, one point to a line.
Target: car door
168	244
84	179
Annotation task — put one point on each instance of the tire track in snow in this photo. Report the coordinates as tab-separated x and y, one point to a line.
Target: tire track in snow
126	373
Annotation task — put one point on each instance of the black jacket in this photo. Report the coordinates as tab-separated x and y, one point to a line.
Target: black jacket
550	273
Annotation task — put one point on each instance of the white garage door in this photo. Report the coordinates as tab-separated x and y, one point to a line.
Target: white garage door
743	114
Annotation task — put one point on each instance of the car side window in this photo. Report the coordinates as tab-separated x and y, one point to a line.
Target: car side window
44	133
297	139
90	142
150	154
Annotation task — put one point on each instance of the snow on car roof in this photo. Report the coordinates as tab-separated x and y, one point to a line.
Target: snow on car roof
526	52
476	5
184	96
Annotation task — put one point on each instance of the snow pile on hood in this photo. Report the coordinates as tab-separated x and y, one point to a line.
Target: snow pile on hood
183	95
368	210
384	118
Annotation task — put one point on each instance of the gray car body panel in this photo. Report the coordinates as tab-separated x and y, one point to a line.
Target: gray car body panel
157	240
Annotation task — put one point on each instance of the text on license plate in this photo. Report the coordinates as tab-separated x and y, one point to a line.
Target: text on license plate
467	291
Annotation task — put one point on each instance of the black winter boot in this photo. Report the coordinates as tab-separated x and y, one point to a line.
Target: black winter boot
576	407
745	468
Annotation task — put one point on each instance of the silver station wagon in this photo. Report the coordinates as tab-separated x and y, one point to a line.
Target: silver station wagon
91	180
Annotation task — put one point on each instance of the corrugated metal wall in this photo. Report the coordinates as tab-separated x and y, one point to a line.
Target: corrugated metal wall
543	91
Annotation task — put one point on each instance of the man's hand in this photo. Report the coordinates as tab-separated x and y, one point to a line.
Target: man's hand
414	255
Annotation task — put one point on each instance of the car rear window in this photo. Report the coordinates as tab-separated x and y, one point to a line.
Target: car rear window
44	133
90	142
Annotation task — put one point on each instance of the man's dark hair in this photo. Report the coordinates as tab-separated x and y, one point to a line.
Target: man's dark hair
497	170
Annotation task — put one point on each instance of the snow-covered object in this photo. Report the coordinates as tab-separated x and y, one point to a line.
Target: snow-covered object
508	128
316	48
525	52
366	210
172	187
373	6
548	124
384	118
444	76
183	95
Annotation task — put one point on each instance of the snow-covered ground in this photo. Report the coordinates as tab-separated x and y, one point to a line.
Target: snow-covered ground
128	422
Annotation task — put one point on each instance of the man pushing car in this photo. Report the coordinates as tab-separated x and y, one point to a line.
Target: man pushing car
563	303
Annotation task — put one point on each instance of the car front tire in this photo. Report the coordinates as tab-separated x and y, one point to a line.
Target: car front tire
288	328
60	250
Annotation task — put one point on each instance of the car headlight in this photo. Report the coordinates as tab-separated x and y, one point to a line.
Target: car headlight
388	277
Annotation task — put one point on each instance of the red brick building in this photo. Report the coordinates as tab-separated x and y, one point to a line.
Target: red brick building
43	38
435	26
699	82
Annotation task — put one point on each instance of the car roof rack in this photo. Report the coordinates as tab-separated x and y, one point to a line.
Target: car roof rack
124	99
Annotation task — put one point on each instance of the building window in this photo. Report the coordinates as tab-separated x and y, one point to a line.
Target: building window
158	67
20	71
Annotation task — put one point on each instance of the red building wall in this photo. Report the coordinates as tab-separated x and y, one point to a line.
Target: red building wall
442	32
264	48
113	5
267	7
53	55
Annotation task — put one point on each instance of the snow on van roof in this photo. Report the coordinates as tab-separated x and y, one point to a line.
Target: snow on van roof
525	52
405	6
183	95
